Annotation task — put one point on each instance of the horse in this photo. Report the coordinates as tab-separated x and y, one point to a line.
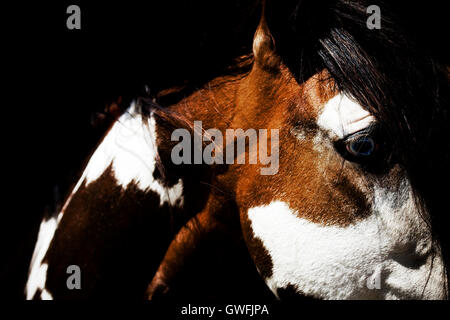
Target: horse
351	211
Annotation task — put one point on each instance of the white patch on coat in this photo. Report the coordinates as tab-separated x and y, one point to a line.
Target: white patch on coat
38	270
342	116
334	262
45	295
130	146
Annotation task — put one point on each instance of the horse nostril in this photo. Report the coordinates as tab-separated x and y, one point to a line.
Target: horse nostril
410	258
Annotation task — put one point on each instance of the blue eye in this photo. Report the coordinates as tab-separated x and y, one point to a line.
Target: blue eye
362	146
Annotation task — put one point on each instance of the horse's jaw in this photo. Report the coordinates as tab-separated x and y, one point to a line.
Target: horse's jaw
388	255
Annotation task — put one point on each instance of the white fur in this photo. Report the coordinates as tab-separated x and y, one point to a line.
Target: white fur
38	270
342	116
333	262
45	295
130	146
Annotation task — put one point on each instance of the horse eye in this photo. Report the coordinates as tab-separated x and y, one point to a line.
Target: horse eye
362	146
368	148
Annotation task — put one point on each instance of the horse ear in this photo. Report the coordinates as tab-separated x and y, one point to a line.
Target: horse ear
275	26
264	46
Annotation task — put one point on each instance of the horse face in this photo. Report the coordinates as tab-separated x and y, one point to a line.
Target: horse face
339	220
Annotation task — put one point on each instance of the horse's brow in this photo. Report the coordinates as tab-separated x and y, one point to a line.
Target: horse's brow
342	116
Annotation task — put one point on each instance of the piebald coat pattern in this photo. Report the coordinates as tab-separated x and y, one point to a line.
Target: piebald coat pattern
332	223
129	149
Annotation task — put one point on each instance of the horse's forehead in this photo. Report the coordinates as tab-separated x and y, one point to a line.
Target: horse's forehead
333	111
342	115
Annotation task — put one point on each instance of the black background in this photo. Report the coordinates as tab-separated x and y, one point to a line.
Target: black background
56	80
